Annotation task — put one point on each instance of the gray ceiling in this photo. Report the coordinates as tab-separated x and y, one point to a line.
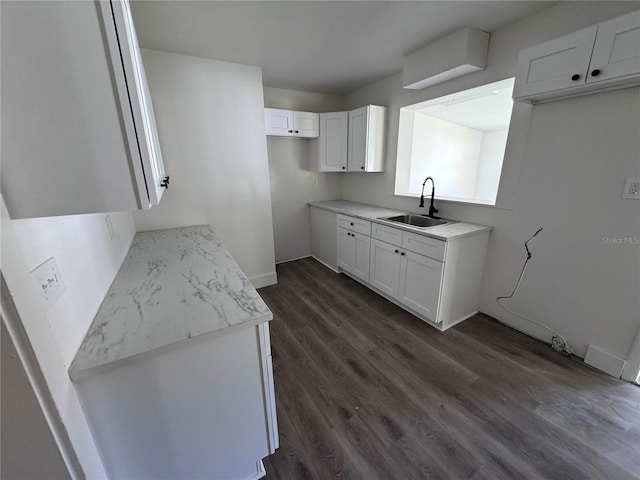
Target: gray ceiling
330	47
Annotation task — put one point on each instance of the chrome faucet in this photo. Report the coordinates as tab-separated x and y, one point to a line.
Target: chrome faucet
432	209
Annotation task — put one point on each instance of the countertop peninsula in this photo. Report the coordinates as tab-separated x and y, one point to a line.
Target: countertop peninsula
173	285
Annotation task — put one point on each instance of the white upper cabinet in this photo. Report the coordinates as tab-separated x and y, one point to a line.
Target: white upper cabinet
138	92
616	52
350	141
278	122
306	124
329	152
603	56
366	139
554	65
78	127
289	123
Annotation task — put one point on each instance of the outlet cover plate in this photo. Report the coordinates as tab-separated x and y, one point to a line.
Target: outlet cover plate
632	188
49	281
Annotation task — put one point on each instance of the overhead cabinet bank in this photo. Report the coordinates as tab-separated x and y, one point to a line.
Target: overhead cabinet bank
339	141
601	57
289	123
350	141
78	128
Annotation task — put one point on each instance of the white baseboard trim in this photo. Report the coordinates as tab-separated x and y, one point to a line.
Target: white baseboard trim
604	361
260	471
293	259
631	372
325	264
264	280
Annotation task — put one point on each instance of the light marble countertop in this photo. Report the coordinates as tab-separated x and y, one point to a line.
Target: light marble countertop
446	232
173	285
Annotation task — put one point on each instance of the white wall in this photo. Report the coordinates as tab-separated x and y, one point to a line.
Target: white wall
450	149
574	158
88	261
211	129
24	423
292	184
490	164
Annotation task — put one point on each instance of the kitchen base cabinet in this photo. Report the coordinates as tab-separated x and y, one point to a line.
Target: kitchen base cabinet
353	253
436	280
323	237
420	283
411	279
199	409
385	267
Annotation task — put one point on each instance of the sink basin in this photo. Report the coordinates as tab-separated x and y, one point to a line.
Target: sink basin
416	220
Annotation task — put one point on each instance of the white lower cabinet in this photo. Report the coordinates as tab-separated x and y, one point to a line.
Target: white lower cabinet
436	280
420	282
201	408
353	253
414	280
385	267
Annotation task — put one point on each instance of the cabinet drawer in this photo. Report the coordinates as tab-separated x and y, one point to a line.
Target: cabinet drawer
386	234
424	245
355	224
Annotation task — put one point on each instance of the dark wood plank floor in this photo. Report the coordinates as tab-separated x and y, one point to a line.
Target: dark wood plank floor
365	390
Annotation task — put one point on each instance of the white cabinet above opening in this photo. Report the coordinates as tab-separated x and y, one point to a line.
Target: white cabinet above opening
289	123
597	58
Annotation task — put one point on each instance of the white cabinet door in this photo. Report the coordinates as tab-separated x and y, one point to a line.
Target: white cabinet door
358	139
384	272
616	52
155	181
420	281
367	139
346	248
353	253
333	142
268	385
362	247
78	129
287	123
278	122
306	124
554	65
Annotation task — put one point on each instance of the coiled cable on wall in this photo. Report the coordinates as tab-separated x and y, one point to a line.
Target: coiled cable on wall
558	342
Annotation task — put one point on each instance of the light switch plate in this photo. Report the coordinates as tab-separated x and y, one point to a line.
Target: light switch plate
632	188
49	281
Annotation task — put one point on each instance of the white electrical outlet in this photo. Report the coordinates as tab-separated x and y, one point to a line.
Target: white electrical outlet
49	281
632	188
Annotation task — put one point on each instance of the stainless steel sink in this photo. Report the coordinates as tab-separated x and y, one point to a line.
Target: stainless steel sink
420	221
